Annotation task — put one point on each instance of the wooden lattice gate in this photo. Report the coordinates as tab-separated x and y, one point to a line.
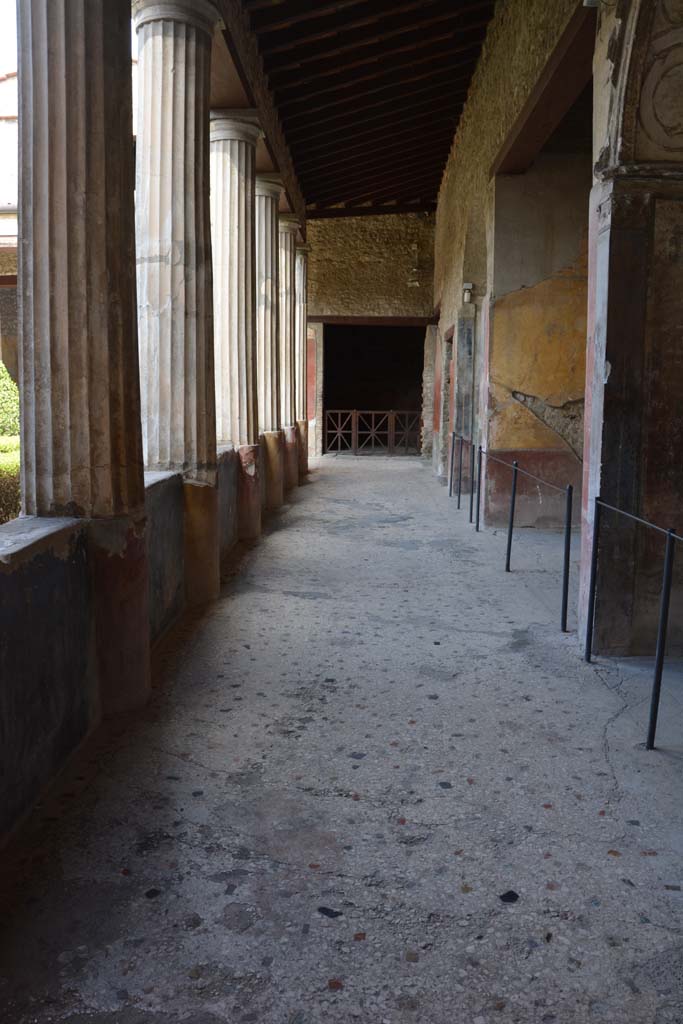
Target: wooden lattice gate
372	432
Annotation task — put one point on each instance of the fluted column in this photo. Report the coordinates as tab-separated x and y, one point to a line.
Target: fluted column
175	297
288	227
234	135
300	356
268	192
175	292
81	449
302	252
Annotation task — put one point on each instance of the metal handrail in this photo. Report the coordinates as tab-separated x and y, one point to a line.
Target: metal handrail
568	491
599	505
664	602
524	472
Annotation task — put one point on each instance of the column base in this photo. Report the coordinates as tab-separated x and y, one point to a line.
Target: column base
273	442
117	553
202	550
302	435
291	458
249	492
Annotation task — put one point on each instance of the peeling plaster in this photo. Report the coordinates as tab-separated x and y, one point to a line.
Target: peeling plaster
565	420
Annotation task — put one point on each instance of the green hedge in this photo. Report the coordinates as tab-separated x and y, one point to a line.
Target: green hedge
10	491
9	403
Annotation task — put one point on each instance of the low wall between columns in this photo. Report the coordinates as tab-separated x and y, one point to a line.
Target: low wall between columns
49	686
165	550
228	478
49	697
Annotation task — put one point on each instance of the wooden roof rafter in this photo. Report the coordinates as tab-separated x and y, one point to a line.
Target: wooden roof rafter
429	12
369	93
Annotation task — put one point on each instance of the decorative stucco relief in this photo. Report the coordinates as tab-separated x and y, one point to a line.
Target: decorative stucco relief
660	112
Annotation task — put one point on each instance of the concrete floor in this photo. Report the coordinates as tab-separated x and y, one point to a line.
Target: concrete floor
371	739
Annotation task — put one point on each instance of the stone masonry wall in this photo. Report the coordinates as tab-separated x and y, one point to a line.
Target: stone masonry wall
519	41
371	266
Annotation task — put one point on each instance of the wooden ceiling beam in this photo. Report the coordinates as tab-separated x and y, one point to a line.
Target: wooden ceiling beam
425	190
296	12
396	144
406	189
375	12
403	81
352	41
385	110
341	191
406	43
393	71
395	127
343	154
407	185
380	165
332	212
417	190
345	188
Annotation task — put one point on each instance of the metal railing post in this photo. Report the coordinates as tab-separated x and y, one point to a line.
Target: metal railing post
511	523
471	479
661	637
460	472
478	488
451	466
593	581
567	554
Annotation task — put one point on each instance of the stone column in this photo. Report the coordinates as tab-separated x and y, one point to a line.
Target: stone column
287	231
234	135
81	450
300	357
175	292
268	192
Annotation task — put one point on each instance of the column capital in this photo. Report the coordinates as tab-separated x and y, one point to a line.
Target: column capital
303	248
200	13
288	222
235	126
269	185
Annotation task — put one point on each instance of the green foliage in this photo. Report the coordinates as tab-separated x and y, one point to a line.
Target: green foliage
10	490
9	443
9	403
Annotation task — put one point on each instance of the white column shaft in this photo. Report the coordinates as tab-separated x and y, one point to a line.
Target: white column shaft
81	448
267	307
301	351
175	292
233	152
287	288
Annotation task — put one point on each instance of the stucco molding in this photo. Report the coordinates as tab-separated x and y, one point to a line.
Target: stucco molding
645	49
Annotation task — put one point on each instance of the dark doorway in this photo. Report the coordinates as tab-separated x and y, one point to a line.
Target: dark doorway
372	388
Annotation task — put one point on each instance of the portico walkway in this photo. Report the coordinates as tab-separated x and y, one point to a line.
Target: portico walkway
370	738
